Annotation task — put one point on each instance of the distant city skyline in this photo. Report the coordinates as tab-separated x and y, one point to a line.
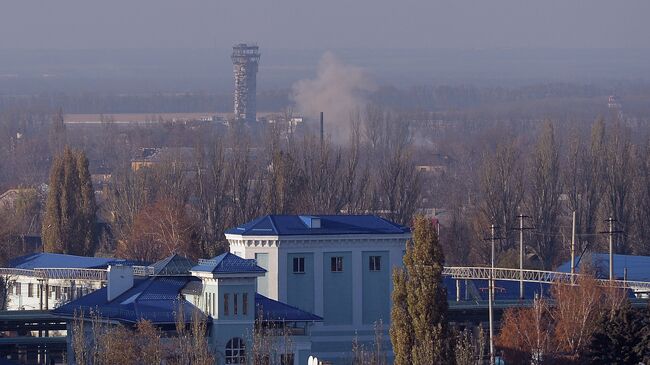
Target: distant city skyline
296	24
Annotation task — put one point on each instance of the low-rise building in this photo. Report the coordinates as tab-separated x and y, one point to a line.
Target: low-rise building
222	290
336	266
48	280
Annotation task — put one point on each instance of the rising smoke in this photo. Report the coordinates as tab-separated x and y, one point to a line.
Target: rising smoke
338	90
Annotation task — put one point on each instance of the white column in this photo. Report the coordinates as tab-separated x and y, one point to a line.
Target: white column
395	261
318	282
282	273
357	288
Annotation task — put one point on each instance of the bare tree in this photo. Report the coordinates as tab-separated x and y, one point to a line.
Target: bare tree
584	182
543	201
502	191
619	172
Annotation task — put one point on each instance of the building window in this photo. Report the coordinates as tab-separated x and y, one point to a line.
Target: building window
286	359
17	286
298	265
244	303
337	264
30	290
57	292
375	263
234	307
236	351
226	304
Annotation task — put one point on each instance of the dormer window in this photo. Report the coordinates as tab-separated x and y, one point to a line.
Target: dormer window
311	221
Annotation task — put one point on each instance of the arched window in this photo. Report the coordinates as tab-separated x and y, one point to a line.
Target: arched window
236	351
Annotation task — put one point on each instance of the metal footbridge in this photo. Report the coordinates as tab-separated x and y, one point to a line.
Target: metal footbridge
534	276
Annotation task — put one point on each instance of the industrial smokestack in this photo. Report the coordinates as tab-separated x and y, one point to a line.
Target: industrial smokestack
322	129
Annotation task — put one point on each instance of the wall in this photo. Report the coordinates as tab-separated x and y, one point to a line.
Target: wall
300	287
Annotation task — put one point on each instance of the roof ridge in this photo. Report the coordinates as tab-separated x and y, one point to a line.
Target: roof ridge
275	228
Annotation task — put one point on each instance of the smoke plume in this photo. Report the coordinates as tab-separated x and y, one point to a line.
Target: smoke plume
338	90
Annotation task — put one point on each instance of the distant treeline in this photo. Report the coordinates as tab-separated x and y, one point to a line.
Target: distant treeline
543	97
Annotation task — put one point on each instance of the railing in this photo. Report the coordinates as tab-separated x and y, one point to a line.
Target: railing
535	276
143	270
71	273
57	273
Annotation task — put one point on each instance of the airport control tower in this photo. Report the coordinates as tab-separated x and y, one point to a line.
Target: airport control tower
245	59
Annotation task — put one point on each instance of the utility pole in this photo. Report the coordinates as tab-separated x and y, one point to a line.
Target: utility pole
611	232
573	249
491	298
521	230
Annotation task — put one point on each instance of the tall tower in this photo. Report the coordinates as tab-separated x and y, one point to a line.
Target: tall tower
245	59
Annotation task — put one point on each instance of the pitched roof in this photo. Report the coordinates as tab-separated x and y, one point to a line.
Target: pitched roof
272	310
638	267
173	265
227	263
56	261
280	225
155	299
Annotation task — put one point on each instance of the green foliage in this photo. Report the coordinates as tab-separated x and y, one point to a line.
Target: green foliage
621	338
69	221
419	327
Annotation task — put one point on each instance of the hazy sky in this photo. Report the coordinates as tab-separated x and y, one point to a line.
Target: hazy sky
324	24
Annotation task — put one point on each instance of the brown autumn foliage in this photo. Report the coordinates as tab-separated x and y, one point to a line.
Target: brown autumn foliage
558	331
526	334
159	230
576	313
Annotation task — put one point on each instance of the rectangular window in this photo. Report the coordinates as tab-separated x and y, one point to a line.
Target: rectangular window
337	264
18	287
226	304
57	292
244	304
286	359
234	307
214	303
298	265
30	290
375	263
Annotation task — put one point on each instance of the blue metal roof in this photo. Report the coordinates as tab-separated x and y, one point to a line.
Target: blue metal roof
173	265
281	225
58	261
272	310
638	267
227	263
155	299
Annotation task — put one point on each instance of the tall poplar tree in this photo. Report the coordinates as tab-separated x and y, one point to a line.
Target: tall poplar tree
69	221
419	330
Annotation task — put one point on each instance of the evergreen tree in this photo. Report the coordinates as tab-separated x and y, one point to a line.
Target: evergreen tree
57	133
68	224
401	332
420	302
87	205
618	339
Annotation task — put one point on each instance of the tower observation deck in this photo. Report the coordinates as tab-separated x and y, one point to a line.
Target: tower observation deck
245	59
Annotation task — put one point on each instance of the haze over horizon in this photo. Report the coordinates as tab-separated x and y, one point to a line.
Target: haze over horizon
337	24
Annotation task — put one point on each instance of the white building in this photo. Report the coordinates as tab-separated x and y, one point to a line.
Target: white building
335	266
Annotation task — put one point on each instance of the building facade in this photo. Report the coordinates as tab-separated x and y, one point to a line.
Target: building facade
337	267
